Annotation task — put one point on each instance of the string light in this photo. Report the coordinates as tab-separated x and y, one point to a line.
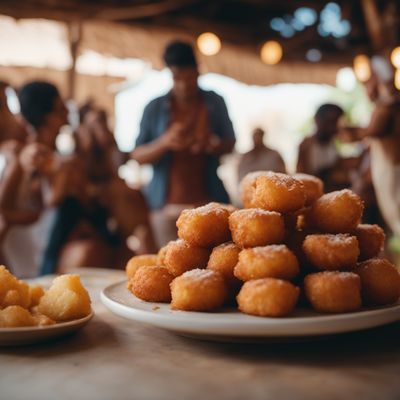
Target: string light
271	52
362	67
209	43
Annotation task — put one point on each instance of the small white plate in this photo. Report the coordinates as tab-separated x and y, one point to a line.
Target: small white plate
36	334
230	324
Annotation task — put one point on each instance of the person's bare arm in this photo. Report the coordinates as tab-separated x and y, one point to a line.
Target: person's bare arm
303	165
377	126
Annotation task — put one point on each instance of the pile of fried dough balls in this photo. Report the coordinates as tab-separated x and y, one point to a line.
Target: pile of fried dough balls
291	244
29	305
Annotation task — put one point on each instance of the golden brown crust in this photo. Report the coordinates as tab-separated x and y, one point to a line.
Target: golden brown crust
380	282
204	226
333	291
198	290
138	261
181	257
336	212
371	239
151	283
331	252
268	297
278	192
313	187
255	227
274	261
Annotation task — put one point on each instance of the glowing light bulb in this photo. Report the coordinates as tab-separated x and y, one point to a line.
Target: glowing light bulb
209	44
271	52
395	57
362	67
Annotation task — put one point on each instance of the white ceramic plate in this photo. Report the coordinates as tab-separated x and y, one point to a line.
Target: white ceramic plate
35	334
231	324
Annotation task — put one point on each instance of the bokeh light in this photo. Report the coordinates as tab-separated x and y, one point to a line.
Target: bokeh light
209	44
362	67
271	52
395	57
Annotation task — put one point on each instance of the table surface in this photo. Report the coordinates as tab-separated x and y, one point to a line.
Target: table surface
114	358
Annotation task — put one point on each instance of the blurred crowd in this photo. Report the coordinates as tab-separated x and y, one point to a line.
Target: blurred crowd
59	212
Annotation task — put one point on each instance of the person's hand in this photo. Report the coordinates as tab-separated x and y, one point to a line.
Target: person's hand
213	144
175	137
37	157
10	149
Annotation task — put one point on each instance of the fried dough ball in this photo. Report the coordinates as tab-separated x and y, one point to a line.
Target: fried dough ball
139	261
333	291
204	226
380	282
161	254
35	294
181	257
198	290
278	192
255	227
268	297
336	212
13	292
151	283
16	317
371	239
313	187
66	299
331	252
247	188
223	259
274	261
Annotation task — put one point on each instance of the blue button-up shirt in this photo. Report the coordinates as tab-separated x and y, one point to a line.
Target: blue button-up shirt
155	120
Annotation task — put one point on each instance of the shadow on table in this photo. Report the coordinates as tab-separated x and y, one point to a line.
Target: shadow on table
380	344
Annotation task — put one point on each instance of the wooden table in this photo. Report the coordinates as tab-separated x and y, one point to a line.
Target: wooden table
113	358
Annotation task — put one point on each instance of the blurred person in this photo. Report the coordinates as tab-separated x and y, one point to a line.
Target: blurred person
182	135
113	211
317	153
383	136
24	193
260	157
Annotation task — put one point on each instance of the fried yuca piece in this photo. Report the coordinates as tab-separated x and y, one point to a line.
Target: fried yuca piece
182	256
371	239
151	283
256	227
278	192
268	297
161	254
204	226
273	261
16	317
66	299
331	252
333	291
336	212
35	294
12	291
380	282
139	261
198	290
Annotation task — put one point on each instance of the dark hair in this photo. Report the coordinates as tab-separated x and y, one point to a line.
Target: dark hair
36	100
179	54
328	108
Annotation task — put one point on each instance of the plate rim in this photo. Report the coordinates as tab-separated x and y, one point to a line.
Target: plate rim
56	326
252	322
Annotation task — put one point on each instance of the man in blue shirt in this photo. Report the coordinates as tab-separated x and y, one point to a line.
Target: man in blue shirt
183	134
